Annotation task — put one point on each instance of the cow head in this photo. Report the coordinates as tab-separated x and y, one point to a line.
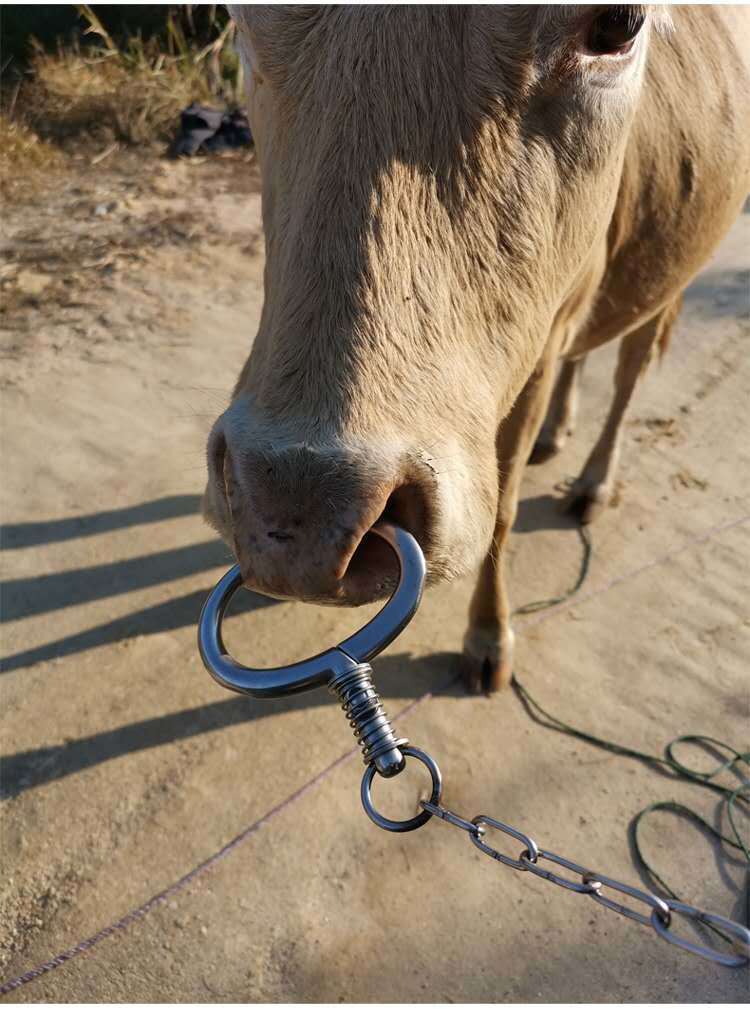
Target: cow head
434	181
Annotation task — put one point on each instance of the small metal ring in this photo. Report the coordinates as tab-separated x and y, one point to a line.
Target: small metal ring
360	647
401	826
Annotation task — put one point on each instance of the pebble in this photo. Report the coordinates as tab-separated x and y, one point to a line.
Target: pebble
32	283
102	209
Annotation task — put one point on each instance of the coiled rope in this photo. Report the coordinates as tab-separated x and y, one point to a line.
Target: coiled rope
730	797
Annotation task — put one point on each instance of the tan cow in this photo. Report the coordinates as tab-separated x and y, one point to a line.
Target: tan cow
454	199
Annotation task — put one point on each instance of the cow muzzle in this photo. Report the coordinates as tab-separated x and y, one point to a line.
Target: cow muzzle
299	517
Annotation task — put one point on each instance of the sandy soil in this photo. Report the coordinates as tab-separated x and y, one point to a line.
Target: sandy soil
130	298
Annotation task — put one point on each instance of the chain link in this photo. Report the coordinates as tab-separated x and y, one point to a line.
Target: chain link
661	912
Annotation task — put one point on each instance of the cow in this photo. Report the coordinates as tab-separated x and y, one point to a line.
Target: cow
459	203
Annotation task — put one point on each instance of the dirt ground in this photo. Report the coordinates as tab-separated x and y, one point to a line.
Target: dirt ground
130	297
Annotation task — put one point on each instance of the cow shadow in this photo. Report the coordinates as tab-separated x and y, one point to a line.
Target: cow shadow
43	594
20	535
720	294
544	512
397	677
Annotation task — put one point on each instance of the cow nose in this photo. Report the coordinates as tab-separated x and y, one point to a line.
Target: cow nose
301	520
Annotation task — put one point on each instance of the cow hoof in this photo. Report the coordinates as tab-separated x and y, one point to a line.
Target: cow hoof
545	449
587	505
486	662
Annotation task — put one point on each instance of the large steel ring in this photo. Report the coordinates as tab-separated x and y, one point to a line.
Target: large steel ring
362	646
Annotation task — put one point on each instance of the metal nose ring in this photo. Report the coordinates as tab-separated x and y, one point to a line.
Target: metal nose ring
327	666
344	668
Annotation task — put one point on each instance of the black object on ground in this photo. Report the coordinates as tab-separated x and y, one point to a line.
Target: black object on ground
204	130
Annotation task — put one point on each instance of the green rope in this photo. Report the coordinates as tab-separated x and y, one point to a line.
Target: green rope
668	764
545	604
690	814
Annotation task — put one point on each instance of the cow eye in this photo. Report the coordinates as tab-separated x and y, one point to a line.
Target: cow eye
613	31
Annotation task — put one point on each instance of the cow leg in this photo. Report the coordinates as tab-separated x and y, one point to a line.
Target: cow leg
593	491
488	644
559	423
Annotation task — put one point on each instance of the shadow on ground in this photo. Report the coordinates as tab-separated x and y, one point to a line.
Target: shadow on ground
720	295
397	677
544	512
28	597
36	534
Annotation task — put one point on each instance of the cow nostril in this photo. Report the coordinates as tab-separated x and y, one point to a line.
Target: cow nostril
282	537
217	451
408	507
372	565
372	570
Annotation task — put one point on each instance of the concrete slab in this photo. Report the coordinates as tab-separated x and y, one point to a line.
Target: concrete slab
126	765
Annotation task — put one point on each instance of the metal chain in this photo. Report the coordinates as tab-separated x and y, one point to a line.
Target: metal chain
659	912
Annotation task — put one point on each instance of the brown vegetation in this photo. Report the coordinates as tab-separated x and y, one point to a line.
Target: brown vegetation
25	158
128	93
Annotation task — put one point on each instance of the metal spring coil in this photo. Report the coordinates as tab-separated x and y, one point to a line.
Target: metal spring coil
367	717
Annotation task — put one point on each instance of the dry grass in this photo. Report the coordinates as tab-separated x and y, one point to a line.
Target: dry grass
132	93
25	159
